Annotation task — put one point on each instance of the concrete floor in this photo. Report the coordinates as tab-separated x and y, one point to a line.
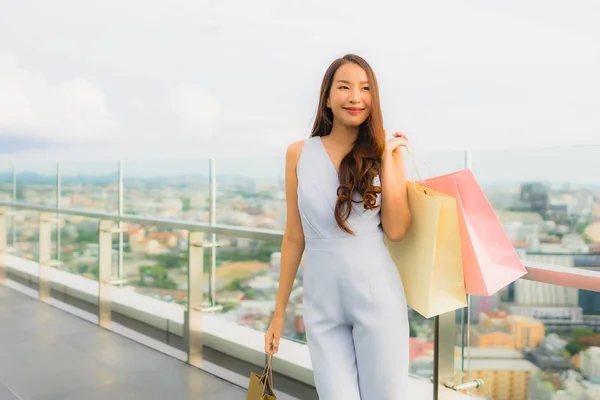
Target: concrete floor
48	354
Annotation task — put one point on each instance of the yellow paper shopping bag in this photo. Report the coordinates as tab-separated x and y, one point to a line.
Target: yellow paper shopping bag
429	258
261	386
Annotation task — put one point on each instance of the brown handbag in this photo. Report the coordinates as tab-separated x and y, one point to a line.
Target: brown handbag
261	386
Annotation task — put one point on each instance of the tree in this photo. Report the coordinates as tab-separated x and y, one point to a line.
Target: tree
82	269
413	332
170	261
186	204
86	235
156	276
573	347
578	333
235	285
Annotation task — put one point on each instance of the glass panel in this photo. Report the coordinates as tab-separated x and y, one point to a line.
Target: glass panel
545	198
430	164
36	184
251	193
421	343
247	276
79	246
155	262
548	207
175	189
524	339
90	186
26	240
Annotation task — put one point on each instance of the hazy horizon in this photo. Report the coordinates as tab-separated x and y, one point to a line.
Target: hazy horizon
573	164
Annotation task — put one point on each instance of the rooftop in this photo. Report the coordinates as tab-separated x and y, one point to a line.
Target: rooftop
50	354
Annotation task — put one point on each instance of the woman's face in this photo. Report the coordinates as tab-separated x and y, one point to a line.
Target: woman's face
350	95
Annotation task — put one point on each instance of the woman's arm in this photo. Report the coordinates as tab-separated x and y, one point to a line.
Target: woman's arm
395	213
293	237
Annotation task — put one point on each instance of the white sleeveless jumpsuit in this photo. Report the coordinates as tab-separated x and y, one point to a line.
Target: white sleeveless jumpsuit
355	309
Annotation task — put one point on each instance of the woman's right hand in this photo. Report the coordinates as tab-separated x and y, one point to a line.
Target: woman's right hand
273	335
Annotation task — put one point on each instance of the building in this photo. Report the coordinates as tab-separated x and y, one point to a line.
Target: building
534	197
489	335
590	364
527	332
553	386
504	378
589	302
543	294
507	331
548	359
549	315
482	304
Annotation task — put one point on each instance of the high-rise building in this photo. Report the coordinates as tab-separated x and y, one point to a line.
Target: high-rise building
535	197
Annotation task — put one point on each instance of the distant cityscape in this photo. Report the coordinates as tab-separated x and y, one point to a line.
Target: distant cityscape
530	341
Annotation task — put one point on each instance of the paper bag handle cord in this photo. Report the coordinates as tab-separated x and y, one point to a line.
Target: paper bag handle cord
413	164
267	374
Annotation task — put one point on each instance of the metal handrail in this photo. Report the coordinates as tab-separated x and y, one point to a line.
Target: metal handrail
577	278
226	230
573	277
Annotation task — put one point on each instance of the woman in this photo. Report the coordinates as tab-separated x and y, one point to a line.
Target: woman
345	188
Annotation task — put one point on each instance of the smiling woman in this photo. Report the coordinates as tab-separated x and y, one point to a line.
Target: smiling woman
345	189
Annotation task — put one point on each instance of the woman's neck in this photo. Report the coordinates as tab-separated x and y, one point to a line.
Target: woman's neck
343	136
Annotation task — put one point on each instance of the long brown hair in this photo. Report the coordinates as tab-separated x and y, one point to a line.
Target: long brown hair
363	163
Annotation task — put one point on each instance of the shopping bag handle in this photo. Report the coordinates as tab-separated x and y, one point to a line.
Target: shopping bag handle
267	375
413	164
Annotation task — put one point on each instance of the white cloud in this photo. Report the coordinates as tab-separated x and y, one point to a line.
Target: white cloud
73	110
239	76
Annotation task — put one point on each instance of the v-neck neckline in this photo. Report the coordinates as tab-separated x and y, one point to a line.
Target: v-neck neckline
335	169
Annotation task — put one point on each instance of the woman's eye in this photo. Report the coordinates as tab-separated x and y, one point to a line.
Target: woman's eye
367	88
343	87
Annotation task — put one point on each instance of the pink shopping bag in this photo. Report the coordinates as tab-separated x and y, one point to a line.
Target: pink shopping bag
490	261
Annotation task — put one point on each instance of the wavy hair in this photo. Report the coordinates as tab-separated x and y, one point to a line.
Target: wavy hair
363	163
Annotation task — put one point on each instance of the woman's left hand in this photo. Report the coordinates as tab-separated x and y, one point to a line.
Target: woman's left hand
395	142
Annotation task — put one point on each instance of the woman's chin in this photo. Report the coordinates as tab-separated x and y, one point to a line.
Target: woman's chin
353	122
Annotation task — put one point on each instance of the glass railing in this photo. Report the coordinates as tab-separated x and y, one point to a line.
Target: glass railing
250	192
89	186
548	207
167	189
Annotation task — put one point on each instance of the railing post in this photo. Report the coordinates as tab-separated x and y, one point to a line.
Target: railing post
13	228
443	356
467	328
57	216
444	345
121	211
44	256
468	159
3	245
213	221
104	272
193	323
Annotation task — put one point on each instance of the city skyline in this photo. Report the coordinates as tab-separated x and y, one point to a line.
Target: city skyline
551	164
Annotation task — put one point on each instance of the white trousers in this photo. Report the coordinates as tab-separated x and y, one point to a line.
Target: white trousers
356	320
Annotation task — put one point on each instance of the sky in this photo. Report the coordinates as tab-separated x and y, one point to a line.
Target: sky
97	82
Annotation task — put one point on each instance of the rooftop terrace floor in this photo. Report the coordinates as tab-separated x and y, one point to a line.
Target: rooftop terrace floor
46	353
